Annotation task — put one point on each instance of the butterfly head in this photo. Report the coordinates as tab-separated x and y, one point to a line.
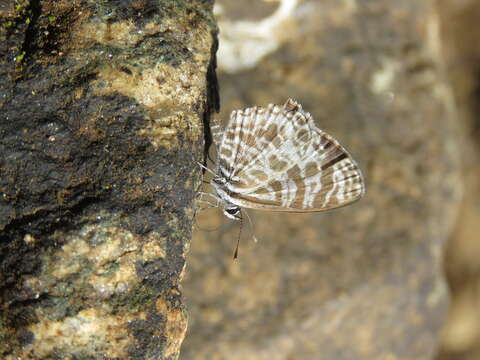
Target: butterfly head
230	210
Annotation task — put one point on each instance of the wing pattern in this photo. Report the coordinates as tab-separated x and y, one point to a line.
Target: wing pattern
275	158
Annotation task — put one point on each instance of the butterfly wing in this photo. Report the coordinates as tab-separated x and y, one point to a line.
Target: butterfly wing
217	131
275	158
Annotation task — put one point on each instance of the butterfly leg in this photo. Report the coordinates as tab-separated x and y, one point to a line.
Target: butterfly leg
208	203
203	204
206	168
203	194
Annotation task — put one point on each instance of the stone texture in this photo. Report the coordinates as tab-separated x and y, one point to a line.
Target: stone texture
102	109
460	29
365	281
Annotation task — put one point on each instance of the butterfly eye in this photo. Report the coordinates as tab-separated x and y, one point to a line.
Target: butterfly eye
233	211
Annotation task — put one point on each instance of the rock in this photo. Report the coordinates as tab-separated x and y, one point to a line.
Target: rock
460	29
102	110
361	282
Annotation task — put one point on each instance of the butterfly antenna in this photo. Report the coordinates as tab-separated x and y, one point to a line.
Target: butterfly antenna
251	226
235	254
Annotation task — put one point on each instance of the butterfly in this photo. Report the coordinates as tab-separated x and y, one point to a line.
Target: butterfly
276	159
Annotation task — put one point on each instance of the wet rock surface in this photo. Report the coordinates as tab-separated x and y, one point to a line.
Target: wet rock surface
361	282
102	109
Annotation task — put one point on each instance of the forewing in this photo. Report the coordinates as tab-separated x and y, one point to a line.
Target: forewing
281	161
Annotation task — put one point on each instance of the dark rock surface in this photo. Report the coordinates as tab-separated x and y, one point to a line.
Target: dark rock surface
102	109
365	281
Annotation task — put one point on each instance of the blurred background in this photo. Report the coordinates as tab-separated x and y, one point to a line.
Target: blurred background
396	275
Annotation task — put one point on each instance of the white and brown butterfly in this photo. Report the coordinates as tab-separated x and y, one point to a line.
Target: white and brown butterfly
276	159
